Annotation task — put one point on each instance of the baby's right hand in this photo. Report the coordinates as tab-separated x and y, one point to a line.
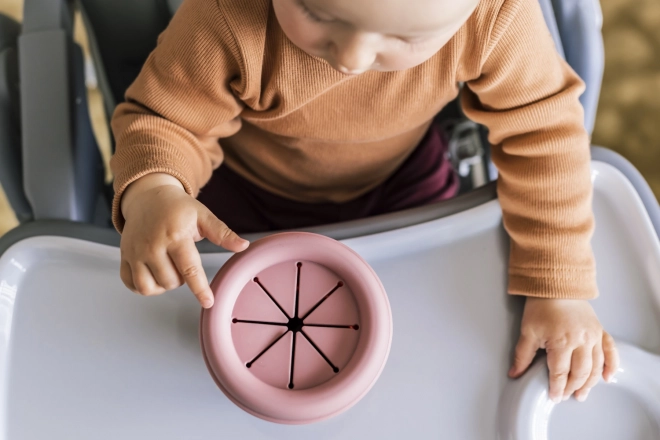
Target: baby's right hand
158	250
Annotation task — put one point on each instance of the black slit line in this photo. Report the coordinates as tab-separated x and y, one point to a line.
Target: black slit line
335	369
293	360
249	364
247	321
327	295
256	280
354	326
298	267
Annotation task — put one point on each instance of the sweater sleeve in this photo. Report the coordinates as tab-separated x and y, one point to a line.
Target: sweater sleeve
527	96
181	103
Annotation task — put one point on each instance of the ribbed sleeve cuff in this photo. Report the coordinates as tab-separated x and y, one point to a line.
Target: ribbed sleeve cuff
558	284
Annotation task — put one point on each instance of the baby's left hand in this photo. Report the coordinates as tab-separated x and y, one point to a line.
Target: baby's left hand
578	348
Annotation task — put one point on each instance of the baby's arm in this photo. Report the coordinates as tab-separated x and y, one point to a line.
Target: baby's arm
529	99
167	135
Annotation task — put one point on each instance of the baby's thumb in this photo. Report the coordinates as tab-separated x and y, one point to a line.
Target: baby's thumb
218	233
524	355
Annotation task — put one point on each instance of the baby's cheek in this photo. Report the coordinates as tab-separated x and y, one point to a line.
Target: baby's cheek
297	29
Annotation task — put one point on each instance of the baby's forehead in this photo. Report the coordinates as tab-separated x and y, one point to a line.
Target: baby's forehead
397	16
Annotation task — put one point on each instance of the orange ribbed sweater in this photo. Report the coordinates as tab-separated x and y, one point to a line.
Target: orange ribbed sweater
225	84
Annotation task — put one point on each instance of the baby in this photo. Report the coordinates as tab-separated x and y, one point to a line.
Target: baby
291	113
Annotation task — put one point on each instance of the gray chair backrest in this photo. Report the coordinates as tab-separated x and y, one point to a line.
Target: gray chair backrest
62	167
11	171
122	33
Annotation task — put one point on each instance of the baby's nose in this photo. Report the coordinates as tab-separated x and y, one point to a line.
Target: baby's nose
355	53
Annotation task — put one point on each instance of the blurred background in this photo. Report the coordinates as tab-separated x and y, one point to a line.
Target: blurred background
628	116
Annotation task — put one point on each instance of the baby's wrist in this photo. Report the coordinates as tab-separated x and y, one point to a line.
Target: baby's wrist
143	184
554	302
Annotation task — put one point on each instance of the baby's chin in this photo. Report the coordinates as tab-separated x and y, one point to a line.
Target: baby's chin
374	68
389	65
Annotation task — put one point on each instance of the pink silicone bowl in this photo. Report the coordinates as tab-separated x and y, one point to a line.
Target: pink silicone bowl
300	330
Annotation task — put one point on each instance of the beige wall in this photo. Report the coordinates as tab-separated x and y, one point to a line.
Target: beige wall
629	112
12	8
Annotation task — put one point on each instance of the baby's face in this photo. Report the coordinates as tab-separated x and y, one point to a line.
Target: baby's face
355	36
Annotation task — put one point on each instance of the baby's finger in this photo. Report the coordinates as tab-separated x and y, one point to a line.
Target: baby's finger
126	275
581	365
524	355
165	272
144	281
594	377
611	357
559	364
218	233
189	264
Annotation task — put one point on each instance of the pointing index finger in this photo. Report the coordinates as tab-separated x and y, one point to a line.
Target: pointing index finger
189	264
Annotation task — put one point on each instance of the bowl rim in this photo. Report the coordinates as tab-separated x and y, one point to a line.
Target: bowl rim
327	399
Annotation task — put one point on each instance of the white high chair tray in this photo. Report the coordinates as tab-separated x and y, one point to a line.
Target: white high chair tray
83	358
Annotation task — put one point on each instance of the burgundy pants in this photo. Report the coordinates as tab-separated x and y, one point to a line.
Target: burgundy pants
425	177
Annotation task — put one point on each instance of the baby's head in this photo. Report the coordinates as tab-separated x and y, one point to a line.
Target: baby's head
355	36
